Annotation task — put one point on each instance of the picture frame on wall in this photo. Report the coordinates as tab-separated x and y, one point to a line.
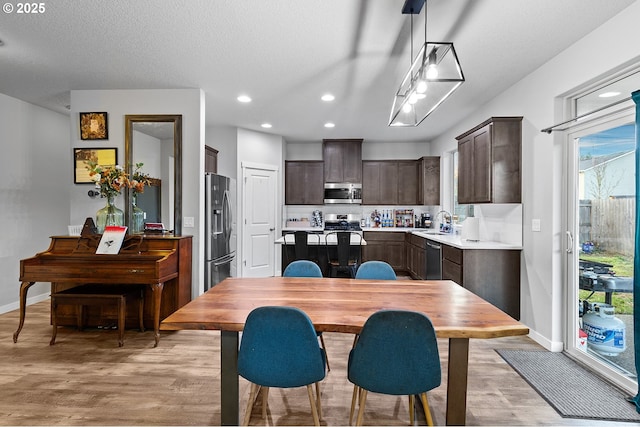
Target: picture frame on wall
94	126
102	156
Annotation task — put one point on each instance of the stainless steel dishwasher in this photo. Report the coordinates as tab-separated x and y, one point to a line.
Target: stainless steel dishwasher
434	261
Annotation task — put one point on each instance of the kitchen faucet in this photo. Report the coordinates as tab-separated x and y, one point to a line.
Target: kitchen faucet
443	225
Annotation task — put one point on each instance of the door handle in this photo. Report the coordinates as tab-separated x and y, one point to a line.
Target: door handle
272	229
569	242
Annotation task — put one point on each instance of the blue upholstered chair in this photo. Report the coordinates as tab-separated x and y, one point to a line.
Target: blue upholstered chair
302	268
279	348
379	270
396	354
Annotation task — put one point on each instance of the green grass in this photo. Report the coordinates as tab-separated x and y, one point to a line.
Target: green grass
623	267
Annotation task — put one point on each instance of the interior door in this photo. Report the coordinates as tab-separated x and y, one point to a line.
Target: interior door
258	259
600	246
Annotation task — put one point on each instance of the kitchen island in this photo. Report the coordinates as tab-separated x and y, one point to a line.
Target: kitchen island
321	245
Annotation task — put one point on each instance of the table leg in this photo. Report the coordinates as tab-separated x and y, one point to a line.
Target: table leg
229	384
457	381
156	292
24	287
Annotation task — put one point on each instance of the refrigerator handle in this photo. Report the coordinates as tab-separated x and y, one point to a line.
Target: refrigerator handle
226	208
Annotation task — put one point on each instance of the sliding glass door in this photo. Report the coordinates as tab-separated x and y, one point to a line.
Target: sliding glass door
600	245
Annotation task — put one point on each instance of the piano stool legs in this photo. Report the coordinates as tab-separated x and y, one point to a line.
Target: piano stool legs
89	295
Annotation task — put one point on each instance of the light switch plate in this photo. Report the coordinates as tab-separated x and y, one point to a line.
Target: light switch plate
535	225
189	222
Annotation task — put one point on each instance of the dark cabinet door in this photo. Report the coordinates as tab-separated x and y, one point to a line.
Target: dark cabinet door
489	162
429	181
388	182
370	183
304	183
482	165
380	182
210	160
342	160
408	182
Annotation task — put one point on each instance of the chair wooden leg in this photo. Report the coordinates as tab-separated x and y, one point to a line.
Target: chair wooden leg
412	409
427	410
318	401
312	400
353	403
252	398
324	348
363	399
265	401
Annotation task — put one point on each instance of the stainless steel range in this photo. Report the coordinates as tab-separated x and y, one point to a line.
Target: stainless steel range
342	222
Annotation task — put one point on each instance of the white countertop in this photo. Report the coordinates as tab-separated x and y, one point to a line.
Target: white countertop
456	241
319	239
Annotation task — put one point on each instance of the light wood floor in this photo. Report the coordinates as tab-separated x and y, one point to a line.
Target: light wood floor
85	379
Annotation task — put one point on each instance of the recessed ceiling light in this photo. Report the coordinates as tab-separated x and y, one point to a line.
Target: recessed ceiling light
329	125
244	98
327	97
608	94
266	125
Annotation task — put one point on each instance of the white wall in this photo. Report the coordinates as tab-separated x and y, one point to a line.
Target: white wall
535	97
36	169
118	103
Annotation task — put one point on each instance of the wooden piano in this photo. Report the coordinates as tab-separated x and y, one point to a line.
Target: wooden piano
163	263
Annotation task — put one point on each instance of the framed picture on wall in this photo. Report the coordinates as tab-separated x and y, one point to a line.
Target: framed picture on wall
94	126
102	156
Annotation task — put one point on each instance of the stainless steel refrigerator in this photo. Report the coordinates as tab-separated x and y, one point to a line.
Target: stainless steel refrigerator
220	233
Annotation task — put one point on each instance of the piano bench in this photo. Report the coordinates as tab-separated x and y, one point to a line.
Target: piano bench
98	295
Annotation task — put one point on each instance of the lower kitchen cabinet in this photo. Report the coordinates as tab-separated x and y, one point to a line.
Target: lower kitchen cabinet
388	246
492	274
416	256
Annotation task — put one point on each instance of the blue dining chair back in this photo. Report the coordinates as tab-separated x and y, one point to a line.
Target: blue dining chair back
302	268
397	354
279	348
378	270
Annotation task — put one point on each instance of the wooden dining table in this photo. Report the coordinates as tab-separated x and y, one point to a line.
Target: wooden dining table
343	305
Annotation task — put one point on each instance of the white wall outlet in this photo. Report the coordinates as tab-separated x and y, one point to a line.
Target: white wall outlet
189	222
535	225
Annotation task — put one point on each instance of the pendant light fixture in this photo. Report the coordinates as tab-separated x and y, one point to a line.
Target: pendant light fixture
432	77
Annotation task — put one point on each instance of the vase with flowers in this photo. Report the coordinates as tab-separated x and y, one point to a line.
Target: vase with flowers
138	181
110	180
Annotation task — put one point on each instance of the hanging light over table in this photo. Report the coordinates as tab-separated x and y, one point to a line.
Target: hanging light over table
434	74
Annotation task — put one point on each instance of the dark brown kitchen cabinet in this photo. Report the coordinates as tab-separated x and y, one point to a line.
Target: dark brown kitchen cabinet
342	160
390	182
303	182
492	274
429	181
416	256
210	160
380	182
388	246
489	162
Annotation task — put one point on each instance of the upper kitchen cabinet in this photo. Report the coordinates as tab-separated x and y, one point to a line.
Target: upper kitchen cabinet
342	160
429	181
210	159
303	182
489	162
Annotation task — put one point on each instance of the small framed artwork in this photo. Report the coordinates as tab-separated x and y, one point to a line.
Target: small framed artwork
94	126
102	156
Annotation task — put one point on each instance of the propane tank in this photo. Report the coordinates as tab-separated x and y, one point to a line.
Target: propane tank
605	332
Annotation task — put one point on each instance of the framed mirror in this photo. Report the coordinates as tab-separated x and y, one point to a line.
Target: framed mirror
155	140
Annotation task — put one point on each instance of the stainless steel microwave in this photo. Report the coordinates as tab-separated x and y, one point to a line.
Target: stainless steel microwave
342	193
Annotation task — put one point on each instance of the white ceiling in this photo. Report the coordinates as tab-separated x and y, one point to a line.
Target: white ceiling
285	54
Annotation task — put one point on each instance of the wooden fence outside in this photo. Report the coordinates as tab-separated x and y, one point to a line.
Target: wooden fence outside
609	224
